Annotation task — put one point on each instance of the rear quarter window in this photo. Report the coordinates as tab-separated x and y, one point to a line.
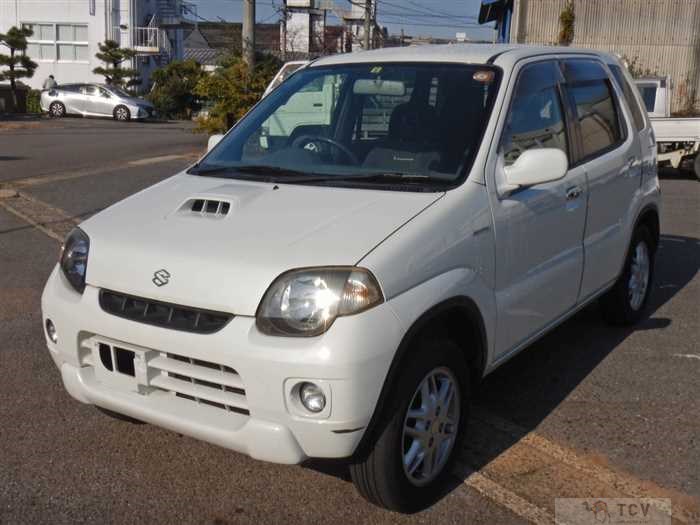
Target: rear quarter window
627	89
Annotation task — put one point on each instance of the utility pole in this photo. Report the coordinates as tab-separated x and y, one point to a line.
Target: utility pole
368	22
283	43
248	32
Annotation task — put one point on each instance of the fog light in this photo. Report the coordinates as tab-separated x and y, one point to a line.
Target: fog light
312	397
51	331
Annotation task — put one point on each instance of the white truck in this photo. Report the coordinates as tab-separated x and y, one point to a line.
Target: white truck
678	139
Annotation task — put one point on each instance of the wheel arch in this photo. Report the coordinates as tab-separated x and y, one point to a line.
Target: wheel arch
461	320
649	217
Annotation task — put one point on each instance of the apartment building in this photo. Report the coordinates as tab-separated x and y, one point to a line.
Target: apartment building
67	34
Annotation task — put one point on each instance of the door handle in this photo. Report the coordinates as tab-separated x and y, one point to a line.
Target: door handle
573	193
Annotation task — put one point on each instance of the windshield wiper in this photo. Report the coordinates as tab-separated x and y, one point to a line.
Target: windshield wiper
373	176
279	174
250	170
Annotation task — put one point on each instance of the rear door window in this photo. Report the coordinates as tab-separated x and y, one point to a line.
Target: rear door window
535	119
627	89
595	106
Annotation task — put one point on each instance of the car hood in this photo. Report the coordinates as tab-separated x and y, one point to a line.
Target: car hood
226	262
136	101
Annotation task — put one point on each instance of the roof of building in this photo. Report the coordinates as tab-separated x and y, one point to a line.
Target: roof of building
203	56
226	35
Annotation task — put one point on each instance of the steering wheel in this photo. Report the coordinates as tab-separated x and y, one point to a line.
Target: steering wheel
306	139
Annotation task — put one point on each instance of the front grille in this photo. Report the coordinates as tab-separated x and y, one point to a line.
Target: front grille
162	314
200	381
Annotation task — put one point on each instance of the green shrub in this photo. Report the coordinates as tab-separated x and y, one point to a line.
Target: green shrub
567	19
33	101
234	89
173	87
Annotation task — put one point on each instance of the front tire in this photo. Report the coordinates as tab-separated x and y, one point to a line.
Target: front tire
696	165
122	114
57	110
419	432
625	303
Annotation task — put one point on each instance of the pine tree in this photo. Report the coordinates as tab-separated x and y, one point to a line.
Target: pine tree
113	56
19	65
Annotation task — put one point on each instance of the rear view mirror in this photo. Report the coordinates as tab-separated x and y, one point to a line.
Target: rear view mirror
377	86
536	166
213	141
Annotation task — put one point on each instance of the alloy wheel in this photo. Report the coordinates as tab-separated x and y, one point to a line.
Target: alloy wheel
639	276
430	426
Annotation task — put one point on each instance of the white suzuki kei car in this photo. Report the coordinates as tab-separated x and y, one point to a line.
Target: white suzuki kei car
337	291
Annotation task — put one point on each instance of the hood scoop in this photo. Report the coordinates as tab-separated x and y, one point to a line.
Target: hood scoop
207	207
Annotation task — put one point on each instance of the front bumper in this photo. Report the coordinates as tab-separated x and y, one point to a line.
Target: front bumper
349	362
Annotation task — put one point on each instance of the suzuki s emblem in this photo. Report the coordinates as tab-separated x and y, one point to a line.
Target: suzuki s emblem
161	278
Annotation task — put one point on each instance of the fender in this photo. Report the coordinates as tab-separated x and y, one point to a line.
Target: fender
476	359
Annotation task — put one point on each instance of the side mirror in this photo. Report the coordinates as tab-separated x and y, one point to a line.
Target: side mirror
213	141
535	166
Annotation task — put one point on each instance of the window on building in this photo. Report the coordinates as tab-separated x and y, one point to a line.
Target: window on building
535	119
63	42
649	97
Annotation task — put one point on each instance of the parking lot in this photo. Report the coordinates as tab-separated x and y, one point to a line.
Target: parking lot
588	411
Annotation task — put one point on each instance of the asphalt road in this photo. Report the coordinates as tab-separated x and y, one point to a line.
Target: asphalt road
589	410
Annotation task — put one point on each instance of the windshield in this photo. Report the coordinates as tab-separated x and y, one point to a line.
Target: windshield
118	91
380	124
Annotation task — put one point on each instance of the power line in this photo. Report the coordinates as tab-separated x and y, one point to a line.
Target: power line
412	11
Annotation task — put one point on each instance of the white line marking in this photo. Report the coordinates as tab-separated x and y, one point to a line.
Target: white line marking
155	160
48	219
89	172
687	356
503	497
627	484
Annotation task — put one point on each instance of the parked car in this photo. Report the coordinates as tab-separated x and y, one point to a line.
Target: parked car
94	100
331	293
677	138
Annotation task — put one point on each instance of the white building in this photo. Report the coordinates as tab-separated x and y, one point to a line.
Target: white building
67	34
304	27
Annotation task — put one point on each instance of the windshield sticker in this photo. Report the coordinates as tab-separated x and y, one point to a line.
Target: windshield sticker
376	70
484	76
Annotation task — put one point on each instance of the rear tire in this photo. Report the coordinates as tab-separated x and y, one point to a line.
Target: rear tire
122	114
57	110
410	458
696	165
625	303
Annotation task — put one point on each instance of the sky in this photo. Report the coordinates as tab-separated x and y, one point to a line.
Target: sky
438	18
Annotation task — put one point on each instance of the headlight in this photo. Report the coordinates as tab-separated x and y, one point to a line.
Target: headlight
74	258
304	303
